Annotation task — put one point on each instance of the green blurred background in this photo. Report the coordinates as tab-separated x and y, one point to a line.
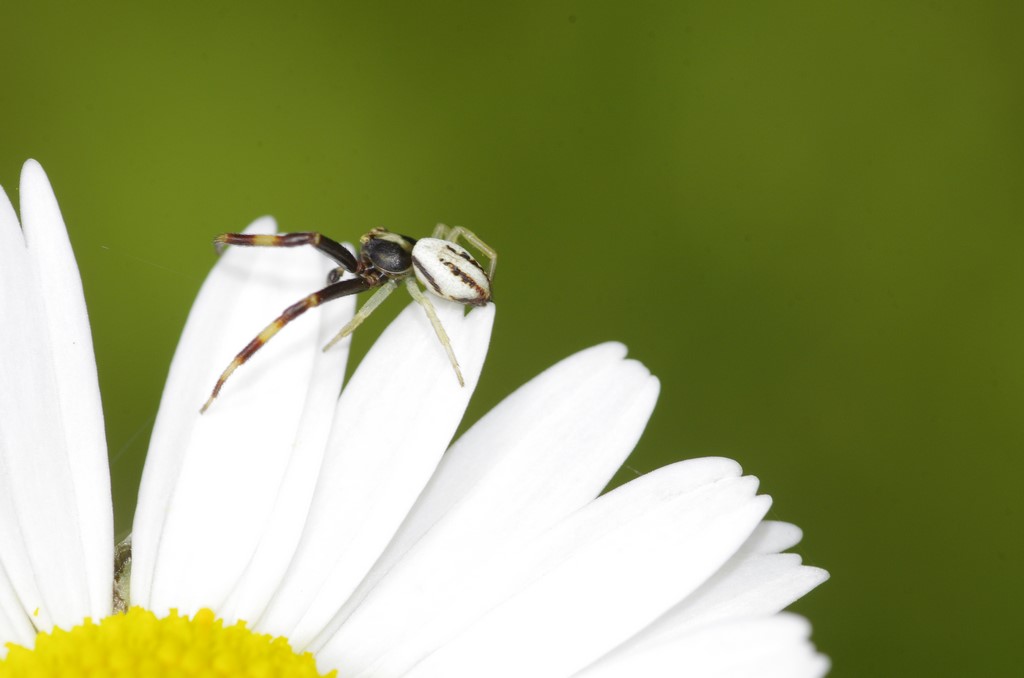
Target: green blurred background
804	217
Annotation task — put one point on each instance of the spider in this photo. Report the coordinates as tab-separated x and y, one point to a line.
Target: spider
385	260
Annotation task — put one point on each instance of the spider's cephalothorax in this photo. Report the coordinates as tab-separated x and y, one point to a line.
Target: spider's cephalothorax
388	253
385	260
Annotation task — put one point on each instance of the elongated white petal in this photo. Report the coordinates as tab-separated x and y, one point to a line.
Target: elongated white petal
750	586
56	524
15	286
223	493
571	594
15	626
541	454
767	647
78	392
269	563
393	423
773	536
757	581
594	599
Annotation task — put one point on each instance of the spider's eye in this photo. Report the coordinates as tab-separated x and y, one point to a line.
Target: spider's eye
390	255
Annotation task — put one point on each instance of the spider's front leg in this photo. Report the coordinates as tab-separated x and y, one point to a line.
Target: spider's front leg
333	291
321	242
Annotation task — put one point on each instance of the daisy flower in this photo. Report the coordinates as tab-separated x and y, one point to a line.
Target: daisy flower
289	530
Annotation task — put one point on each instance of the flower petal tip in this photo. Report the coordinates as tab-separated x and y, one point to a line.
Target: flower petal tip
609	349
264	224
35	188
32	169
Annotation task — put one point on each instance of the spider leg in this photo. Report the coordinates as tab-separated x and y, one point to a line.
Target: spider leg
333	291
422	300
453	234
364	312
331	248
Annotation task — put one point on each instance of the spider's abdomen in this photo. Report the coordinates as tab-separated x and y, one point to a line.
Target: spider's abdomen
450	272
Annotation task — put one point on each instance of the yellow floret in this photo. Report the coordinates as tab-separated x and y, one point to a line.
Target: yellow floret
140	644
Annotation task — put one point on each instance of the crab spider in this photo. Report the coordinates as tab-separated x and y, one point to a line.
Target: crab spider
386	260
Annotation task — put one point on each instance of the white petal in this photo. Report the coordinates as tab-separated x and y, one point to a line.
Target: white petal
562	601
541	454
269	564
15	626
750	587
55	510
78	392
393	423
756	582
594	600
766	647
15	286
223	493
773	536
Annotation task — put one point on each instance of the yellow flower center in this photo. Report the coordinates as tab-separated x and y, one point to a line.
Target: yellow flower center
139	644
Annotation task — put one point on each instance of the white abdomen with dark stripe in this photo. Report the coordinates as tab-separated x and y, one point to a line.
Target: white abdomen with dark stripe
450	272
